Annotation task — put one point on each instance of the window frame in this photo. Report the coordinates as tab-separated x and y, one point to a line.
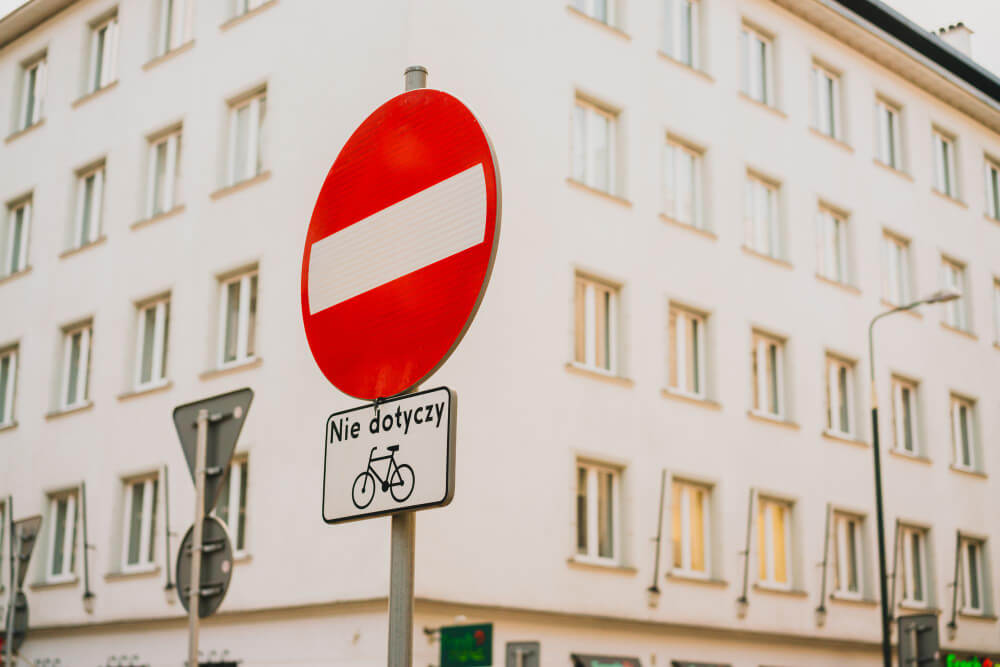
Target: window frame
902	276
158	361
679	347
767	566
750	68
992	188
682	492
236	491
945	174
593	510
68	573
249	291
899	384
834	107
82	390
907	535
94	227
24	206
31	109
162	189
173	23
835	410
678	14
584	163
833	245
763	236
103	71
588	8
586	328
981	591
889	144
954	276
8	384
760	341
843	522
969	442
148	523
674	154
256	105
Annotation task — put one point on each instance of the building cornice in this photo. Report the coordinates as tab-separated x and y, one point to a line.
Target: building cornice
27	17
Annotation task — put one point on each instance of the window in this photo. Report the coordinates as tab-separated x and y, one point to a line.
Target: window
596	325
757	69
246	138
896	279
768	382
164	170
602	10
231	508
103	54
914	554
151	343
962	433
62	536
690	528
682	184
8	383
680	30
138	547
956	313
904	415
32	93
826	107
774	536
889	142
833	246
996	310
238	318
593	146
847	547
839	396
244	6
973	589
944	165
89	205
992	189
76	367
687	352
761	217
176	19
18	227
597	512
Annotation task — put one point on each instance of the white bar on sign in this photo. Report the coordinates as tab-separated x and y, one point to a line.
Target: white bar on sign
431	225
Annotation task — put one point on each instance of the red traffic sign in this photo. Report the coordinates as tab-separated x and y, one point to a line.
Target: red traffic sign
401	245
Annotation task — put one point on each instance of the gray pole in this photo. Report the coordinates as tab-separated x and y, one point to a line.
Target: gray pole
403	530
201	452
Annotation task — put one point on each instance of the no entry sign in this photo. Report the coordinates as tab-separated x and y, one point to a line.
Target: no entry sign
400	245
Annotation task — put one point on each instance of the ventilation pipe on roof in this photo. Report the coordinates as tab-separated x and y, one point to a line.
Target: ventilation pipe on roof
959	36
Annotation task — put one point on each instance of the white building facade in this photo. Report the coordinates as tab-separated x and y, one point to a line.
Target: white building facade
704	204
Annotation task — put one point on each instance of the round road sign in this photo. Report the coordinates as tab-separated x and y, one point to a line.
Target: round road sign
216	566
400	245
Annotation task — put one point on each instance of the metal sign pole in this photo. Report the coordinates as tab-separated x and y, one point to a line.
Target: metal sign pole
201	452
11	601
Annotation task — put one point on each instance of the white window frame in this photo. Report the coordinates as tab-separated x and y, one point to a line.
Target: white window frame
682	31
17	227
254	104
687	337
108	71
760	351
586	312
160	332
965	544
81	236
832	230
243	320
899	416
592	553
232	493
836	405
757	78
680	160
147	528
961	446
83	371
32	108
761	226
767	562
953	276
9	385
896	287
593	8
686	492
945	175
586	164
68	572
843	524
827	102
889	143
176	27
907	534
162	186
992	189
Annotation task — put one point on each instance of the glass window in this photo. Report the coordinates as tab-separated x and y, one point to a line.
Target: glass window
945	176
18	229
687	352
840	396
833	246
973	589
904	415
756	66
139	545
238	318
963	433
244	6
682	184
602	10
889	142
761	217
826	106
151	343
176	20
594	146
690	528
89	205
596	328
246	138
768	383
231	508
992	190
847	547
914	557
76	366
32	93
597	512
62	536
8	384
163	174
774	537
103	54
681	30
896	262
956	313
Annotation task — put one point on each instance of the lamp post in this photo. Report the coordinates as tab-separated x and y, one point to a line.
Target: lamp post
938	297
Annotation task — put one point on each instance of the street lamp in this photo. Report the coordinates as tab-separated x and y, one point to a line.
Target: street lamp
940	296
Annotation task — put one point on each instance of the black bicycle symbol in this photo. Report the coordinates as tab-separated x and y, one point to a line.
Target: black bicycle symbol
399	480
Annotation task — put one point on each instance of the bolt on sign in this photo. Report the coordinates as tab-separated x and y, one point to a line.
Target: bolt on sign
467	645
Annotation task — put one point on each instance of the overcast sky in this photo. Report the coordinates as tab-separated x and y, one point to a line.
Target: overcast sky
982	16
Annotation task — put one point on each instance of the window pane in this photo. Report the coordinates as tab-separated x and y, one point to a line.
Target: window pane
239	148
135	523
101	35
907	419
605	515
842	388
581	510
852	556
88	209
918	571
242	522
60	536
780	547
772	351
5	365
695	356
973	551
232	320
252	320
676	526
152	520
697	522
148	329
74	368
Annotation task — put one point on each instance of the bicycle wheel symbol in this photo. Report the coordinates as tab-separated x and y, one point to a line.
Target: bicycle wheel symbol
399	480
402	486
363	490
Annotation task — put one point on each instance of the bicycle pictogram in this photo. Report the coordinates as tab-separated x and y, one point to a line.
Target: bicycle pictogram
398	481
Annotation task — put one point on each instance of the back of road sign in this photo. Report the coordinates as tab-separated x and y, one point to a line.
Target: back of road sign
918	640
216	566
25	535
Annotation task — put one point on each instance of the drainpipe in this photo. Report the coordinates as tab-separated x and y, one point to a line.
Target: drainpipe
88	596
742	602
953	624
821	609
